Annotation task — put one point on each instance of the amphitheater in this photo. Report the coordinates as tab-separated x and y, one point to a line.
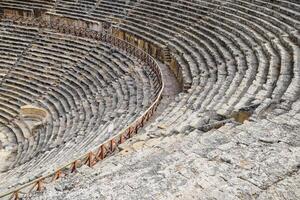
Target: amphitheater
150	99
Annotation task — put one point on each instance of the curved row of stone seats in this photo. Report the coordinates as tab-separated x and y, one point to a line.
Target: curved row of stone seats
82	7
254	48
240	54
262	58
289	29
108	7
9	56
27	5
13	43
161	16
234	54
71	8
288	52
89	89
145	10
271	60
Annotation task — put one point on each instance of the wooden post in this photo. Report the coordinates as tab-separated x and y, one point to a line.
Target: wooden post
16	195
142	122
100	155
57	175
90	159
112	145
121	141
74	166
39	184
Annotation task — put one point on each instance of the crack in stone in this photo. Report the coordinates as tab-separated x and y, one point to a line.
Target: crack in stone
244	179
287	175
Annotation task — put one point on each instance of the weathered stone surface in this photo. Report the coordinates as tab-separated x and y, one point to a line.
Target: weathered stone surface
256	160
232	58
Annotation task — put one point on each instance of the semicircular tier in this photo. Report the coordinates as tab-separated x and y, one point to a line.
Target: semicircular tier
88	89
234	54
